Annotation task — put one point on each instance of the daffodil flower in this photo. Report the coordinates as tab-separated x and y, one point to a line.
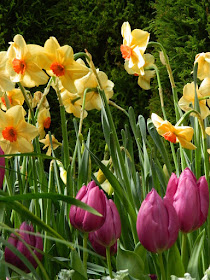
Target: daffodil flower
22	64
203	60
43	121
15	97
134	46
189	96
174	134
143	79
5	83
208	132
16	134
46	142
61	64
93	99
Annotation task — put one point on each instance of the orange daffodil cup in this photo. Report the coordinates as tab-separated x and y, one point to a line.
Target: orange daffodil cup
174	134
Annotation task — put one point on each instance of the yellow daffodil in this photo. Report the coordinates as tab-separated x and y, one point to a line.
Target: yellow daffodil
15	97
208	132
143	79
189	95
203	60
37	98
174	134
22	64
15	133
93	99
106	186
5	83
62	64
71	104
46	142
43	121
134	46
204	89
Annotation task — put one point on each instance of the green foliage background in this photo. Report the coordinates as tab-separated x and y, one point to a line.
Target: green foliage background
183	27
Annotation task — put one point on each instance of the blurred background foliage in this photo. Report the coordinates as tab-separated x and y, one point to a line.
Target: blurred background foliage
183	27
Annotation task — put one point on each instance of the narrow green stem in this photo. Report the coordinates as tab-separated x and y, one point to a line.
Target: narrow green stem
46	91
131	208
7	175
162	270
63	127
184	250
27	102
108	258
118	107
85	253
178	111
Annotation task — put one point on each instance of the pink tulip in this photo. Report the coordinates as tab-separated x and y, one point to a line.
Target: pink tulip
33	240
100	249
84	220
2	168
157	223
110	231
190	199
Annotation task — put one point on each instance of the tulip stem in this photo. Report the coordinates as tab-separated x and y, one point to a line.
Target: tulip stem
183	250
85	253
108	258
162	270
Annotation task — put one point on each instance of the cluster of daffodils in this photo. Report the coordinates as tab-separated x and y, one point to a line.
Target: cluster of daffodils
142	65
29	65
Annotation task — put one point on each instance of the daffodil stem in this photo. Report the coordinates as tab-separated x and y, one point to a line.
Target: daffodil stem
85	253
27	102
160	90
112	103
46	91
131	207
82	111
108	258
171	78
162	270
63	127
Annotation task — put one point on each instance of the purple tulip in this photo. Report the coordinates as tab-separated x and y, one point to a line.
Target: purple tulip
100	249
107	235
153	276
84	220
2	168
157	223
35	241
190	199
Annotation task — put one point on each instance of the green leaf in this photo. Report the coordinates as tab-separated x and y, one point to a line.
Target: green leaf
174	263
192	267
77	265
131	261
52	196
158	142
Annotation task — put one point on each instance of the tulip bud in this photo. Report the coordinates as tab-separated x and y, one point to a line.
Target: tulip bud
157	223
100	249
110	231
2	169
190	199
35	241
84	220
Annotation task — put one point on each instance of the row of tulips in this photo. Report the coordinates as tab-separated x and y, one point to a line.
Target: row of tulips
184	207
